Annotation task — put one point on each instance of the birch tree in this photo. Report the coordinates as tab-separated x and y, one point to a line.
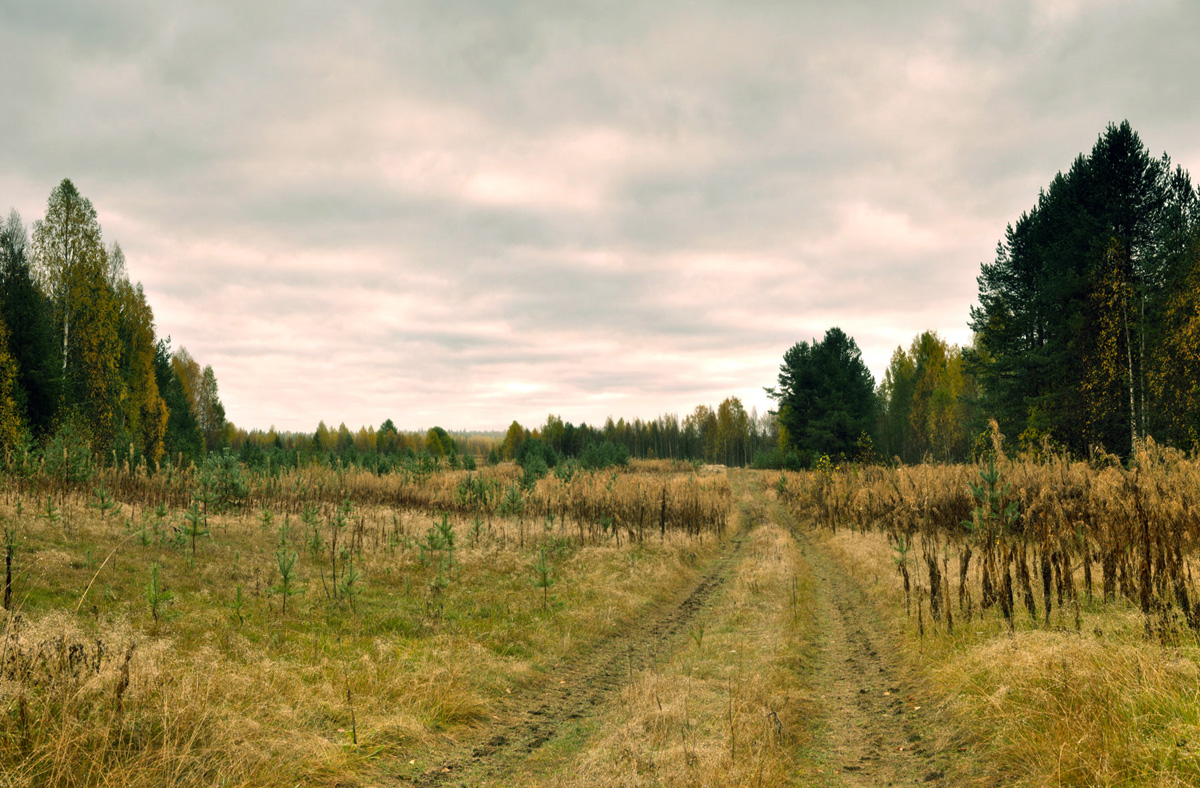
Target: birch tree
66	241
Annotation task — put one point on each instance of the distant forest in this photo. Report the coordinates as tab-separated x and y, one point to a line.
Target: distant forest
1086	338
82	368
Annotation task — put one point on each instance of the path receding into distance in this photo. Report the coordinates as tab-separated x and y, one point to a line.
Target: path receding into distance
870	732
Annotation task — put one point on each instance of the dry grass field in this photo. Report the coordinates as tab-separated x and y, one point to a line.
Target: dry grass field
656	625
132	656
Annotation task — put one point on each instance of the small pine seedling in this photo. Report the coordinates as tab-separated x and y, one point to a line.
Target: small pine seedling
196	525
429	549
543	577
316	546
157	595
286	587
236	605
308	516
446	534
103	502
349	586
50	513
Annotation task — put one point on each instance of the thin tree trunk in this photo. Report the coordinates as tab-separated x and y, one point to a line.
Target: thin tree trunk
1133	430
1142	370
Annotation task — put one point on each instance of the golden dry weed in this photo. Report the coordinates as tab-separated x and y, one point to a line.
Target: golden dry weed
1035	706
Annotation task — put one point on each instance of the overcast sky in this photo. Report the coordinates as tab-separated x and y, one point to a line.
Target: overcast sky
461	213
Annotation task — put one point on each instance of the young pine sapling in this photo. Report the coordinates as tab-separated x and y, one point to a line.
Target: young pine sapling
543	577
350	587
445	531
103	502
236	606
50	513
286	587
157	595
196	525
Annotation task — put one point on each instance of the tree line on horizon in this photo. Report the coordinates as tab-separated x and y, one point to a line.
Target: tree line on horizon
1086	336
727	434
82	368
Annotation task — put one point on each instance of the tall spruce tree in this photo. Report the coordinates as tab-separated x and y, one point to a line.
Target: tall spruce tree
826	396
182	438
1070	314
27	314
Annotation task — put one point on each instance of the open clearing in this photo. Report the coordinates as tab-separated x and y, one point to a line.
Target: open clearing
773	668
661	625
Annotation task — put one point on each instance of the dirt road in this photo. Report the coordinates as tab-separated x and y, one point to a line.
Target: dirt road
577	688
874	724
871	729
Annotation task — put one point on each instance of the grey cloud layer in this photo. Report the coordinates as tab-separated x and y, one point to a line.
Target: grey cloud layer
467	212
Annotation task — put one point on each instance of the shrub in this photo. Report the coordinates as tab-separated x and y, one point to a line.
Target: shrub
604	455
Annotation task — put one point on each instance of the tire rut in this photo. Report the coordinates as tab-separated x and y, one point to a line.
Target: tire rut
874	722
576	688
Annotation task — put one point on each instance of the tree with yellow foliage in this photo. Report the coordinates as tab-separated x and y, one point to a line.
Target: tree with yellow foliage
10	417
93	381
926	402
512	440
143	411
1175	372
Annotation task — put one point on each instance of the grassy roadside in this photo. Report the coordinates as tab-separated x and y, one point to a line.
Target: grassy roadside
1094	706
729	705
215	684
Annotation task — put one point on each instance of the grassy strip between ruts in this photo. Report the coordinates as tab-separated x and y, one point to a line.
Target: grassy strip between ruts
728	706
1095	706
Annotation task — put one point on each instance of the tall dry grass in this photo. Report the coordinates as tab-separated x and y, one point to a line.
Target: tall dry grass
1030	539
1037	706
1049	604
650	496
